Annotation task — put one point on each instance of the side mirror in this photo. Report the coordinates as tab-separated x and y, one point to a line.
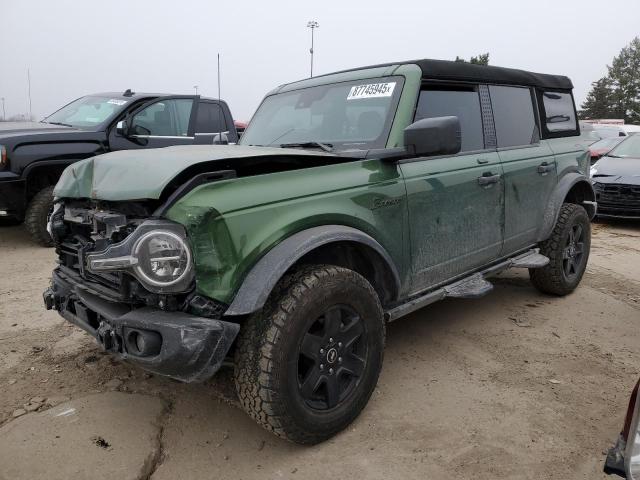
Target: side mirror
204	138
221	139
122	128
433	136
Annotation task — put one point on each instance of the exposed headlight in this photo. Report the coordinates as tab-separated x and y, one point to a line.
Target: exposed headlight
632	453
157	253
163	258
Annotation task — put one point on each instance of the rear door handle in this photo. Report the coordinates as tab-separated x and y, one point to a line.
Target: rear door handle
488	178
545	168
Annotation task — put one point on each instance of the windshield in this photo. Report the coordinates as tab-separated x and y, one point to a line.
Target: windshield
629	148
87	111
348	115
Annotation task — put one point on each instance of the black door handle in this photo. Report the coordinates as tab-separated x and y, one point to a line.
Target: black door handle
488	178
545	168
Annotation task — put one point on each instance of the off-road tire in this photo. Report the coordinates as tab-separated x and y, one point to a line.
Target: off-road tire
35	219
270	339
552	279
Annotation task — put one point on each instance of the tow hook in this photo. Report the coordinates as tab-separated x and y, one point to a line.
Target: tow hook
49	299
109	339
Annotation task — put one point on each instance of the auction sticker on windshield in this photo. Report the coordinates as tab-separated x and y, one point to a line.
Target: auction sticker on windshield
371	90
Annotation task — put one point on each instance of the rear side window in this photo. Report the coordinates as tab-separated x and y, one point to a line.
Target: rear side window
463	103
560	115
513	116
210	118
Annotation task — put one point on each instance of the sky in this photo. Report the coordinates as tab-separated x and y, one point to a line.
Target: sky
77	47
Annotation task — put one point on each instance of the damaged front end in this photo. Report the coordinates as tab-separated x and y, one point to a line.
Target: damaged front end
128	280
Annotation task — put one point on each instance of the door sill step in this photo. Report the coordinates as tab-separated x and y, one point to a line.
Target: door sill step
473	286
532	259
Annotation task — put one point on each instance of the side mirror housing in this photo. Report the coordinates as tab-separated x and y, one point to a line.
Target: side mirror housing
433	136
221	139
122	128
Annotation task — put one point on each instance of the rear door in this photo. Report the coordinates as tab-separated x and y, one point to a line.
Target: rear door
164	122
528	163
455	203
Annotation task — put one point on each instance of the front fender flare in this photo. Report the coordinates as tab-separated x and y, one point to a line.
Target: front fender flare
266	273
558	197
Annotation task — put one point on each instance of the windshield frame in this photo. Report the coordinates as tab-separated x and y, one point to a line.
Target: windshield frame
341	146
97	126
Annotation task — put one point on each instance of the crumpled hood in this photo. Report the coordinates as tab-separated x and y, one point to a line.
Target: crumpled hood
143	174
617	170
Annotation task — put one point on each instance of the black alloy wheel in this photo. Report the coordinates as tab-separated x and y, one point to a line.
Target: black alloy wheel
332	358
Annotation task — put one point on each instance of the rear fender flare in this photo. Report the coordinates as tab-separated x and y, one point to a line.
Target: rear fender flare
266	273
559	196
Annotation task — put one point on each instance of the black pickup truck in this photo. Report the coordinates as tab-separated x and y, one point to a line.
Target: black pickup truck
34	154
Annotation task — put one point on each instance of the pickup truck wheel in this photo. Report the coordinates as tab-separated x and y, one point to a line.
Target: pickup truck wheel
306	365
568	251
35	219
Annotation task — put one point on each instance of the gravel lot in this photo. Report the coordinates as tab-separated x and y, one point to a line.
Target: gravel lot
513	385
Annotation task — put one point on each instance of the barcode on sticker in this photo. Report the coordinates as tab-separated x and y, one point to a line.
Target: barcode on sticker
372	90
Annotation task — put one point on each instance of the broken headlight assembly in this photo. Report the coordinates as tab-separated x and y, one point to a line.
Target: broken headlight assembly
157	253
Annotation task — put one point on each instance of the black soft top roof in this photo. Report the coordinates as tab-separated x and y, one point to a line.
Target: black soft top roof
462	71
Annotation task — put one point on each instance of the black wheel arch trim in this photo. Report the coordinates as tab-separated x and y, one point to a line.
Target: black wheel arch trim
46	163
265	274
558	197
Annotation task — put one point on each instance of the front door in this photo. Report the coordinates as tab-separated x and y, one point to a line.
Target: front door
164	122
455	203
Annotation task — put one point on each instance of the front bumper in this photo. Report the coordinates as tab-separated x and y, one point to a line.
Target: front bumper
13	195
175	344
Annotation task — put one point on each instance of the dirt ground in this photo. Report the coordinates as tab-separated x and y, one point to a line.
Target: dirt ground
513	385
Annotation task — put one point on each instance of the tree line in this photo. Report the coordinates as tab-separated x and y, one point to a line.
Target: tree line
617	95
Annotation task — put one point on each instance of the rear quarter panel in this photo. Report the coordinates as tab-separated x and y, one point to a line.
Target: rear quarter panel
571	155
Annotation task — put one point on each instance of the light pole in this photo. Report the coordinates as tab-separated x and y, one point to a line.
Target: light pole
196	88
4	115
312	24
29	85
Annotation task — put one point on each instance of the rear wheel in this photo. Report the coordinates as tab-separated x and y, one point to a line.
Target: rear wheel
568	251
308	363
35	219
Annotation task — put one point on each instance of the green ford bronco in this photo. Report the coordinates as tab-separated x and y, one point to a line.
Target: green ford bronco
353	199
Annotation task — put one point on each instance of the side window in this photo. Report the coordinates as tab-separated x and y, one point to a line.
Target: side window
464	103
513	116
559	112
166	118
210	118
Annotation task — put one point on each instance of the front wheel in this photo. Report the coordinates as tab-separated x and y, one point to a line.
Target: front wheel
307	364
35	219
568	251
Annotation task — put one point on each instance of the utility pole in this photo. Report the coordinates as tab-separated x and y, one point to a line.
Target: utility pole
29	86
4	114
196	88
312	24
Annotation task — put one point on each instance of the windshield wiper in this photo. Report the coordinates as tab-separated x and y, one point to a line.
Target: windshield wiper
58	123
327	147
